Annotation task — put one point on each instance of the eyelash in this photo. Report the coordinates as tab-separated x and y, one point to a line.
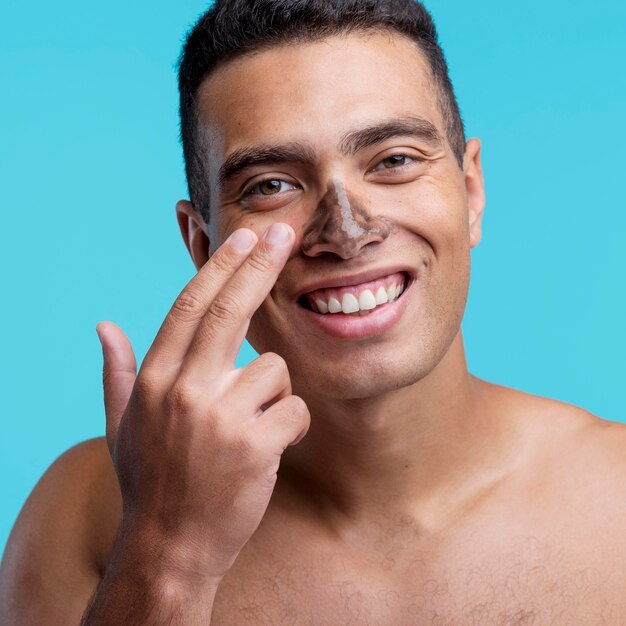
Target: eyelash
405	156
250	191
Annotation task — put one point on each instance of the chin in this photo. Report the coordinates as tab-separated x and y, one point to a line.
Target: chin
360	388
363	369
364	379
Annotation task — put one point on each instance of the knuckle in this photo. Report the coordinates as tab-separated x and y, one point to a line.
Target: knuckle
260	262
274	361
223	309
188	302
181	398
269	368
291	410
147	384
221	263
298	407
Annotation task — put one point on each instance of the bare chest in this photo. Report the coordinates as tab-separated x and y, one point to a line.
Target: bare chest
528	583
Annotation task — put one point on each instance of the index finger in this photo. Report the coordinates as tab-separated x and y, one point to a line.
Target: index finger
223	328
180	324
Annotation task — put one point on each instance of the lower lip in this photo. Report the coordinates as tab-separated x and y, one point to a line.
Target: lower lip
377	322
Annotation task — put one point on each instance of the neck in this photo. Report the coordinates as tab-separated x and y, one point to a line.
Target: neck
425	450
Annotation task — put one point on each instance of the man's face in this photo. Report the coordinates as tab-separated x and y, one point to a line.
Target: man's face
344	140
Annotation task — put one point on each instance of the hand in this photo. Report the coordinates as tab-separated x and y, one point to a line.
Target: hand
196	443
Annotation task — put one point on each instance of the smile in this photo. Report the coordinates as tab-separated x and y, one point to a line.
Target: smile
356	299
359	308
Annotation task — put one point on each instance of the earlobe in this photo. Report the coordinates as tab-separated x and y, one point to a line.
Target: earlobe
194	232
475	189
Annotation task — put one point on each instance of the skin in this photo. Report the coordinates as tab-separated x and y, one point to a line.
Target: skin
350	223
417	493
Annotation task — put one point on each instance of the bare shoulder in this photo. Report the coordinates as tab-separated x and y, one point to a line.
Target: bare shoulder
563	439
60	542
553	416
583	435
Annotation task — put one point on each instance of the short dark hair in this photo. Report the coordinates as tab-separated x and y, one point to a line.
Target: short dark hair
232	28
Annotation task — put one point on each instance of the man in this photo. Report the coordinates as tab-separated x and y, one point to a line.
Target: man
356	472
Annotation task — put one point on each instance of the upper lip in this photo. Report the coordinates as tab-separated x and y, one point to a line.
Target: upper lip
354	279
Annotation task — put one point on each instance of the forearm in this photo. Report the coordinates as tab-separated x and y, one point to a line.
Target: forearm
138	590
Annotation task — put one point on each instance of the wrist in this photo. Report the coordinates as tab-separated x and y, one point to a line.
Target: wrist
140	586
173	567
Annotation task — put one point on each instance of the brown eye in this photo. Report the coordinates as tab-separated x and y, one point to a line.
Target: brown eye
270	187
394	160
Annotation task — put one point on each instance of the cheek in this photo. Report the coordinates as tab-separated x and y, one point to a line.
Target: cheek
429	208
222	226
225	223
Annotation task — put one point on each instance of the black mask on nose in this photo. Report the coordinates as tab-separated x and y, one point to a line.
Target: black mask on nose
342	224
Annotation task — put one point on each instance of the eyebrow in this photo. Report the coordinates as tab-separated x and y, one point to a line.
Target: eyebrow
350	143
245	158
409	125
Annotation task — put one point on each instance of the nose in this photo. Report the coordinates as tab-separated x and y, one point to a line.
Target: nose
342	225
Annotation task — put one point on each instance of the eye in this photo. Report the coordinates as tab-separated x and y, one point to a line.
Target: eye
270	187
393	161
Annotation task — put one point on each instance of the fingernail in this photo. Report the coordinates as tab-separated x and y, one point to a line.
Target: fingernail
277	234
242	239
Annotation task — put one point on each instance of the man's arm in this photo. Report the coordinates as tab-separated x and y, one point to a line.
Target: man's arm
139	588
195	443
54	555
60	546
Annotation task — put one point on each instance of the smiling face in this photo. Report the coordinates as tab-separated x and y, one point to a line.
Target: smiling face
344	140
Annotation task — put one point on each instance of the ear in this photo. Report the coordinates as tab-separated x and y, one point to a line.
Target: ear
475	189
194	231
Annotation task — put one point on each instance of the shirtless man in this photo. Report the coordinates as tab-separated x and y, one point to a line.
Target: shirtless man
327	167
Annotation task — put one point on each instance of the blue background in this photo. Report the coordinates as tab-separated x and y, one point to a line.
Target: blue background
91	168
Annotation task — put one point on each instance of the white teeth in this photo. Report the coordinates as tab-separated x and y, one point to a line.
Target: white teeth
381	296
349	304
367	302
322	307
334	306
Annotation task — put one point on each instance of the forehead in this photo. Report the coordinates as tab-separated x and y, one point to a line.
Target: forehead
312	92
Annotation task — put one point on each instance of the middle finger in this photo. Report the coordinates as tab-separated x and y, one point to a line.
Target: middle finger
223	328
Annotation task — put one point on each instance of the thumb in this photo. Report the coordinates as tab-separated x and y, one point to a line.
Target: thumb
119	371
